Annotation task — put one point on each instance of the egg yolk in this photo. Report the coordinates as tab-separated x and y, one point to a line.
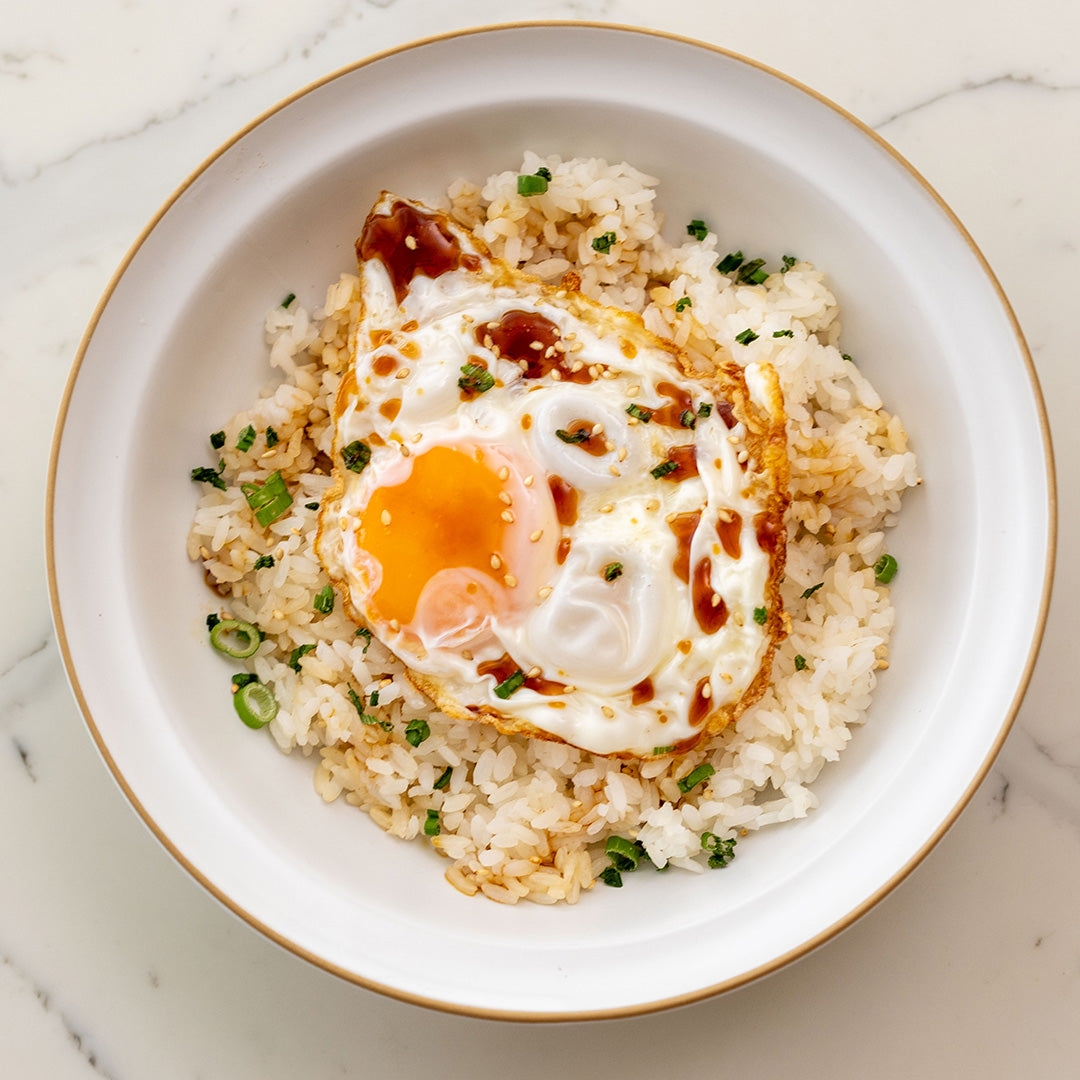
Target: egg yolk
447	514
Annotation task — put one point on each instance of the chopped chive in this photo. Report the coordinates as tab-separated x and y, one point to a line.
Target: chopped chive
746	337
235	638
761	616
269	500
444	778
683	303
373	698
610	876
688	418
324	600
255	704
695	777
800	662
603	243
807	593
752	272
431	823
730	262
312	505
885	568
217	440
789	261
532	183
663	749
416	731
209	476
638	413
365	633
579	436
544	172
272	438
697	229
242	678
476	378
704	410
356	456
722	851
367	718
612	571
212	620
624	854
246	439
263	561
288	300
846	356
663	469
509	685
297	653
783	333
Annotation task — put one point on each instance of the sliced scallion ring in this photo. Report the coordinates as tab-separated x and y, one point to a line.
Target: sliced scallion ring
235	638
255	704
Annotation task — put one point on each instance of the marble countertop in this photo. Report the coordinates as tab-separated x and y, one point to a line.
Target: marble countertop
115	963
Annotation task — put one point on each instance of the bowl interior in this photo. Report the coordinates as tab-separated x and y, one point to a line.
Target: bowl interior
178	348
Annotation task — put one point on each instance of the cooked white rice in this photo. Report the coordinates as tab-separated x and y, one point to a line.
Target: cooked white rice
527	819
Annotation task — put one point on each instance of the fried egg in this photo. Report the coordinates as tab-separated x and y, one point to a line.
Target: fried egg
557	525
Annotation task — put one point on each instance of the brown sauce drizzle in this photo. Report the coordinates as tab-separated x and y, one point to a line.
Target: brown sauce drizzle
383	364
642	692
514	335
679	400
435	251
596	445
730	533
566	500
726	411
769	534
391	408
709	618
699	706
683	526
562	550
685	457
505	666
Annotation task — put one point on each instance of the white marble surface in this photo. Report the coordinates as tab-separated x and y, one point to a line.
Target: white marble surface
114	963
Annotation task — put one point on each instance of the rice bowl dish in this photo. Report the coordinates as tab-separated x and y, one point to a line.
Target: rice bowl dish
529	818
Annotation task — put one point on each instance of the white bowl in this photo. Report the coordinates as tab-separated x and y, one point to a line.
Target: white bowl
176	346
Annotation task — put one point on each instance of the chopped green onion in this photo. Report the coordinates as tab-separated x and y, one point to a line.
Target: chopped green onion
846	356
752	273
356	456
697	229
544	172
663	749
695	777
297	653
730	262
476	378
272	437
235	638
431	824
246	439
723	851
761	616
508	686
367	718
683	303
638	413
688	418
704	410
532	183
624	854
209	476
612	571
610	876
255	704
312	505
212	620
813	589
263	561
579	436
242	678
288	300
800	662
373	698
603	243
885	569
783	333
365	633
324	600
663	469
746	337
269	500
789	261
217	440
444	778
416	731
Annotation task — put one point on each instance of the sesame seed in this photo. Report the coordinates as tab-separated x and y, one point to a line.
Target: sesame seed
532	673
506	497
410	242
653	504
633	391
549	352
559	346
614	470
487	341
608	711
496	562
537	345
714	600
384	683
495	352
386	517
204	553
528	481
523	364
504	473
493	325
576	366
278	614
544	592
405	451
738	618
598	429
622	453
466	655
631	421
534	536
269	453
418	436
606	508
556	374
724	515
577	346
395	625
510	581
508	517
733	439
607	373
726	677
569	689
743	455
706	691
401	373
594	371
